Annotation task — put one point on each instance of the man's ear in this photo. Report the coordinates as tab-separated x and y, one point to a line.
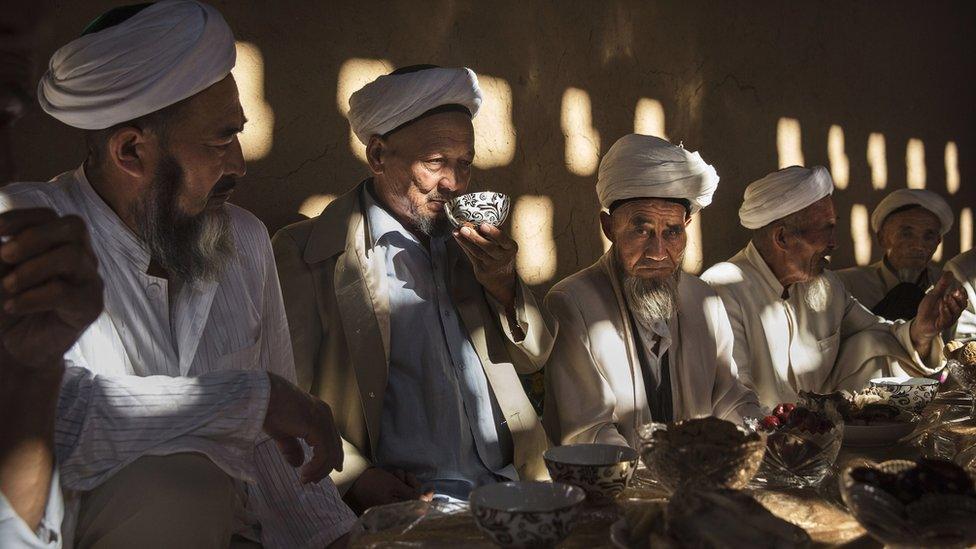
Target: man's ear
606	223
781	238
128	150
376	154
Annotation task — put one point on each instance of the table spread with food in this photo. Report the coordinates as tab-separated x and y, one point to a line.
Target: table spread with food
892	464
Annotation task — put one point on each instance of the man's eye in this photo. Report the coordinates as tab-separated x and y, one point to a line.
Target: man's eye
673	233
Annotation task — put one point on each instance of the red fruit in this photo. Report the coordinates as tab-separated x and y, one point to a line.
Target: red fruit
769	423
783	411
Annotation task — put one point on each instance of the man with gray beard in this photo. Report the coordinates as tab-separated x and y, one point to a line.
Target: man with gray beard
796	327
637	339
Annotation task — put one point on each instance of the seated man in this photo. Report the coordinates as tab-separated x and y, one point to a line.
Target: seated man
190	281
910	224
415	334
963	268
796	327
58	413
637	339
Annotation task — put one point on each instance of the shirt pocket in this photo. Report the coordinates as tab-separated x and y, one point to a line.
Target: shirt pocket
245	358
828	345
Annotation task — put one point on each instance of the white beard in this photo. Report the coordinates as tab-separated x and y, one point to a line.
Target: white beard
817	293
651	300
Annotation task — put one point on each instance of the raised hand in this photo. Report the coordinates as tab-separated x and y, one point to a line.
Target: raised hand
492	254
939	309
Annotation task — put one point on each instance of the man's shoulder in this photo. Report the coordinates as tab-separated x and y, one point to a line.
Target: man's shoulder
693	285
36	194
852	273
727	274
298	232
246	223
581	281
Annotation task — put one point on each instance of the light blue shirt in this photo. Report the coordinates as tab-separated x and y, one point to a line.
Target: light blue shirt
440	420
14	532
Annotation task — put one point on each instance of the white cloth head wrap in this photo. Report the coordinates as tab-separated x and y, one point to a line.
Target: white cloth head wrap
161	55
906	197
395	99
782	193
641	166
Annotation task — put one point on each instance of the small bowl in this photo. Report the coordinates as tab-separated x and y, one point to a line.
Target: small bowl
526	514
601	470
477	208
908	393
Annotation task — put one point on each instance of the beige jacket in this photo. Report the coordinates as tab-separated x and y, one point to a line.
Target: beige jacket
339	316
594	385
963	267
871	283
783	346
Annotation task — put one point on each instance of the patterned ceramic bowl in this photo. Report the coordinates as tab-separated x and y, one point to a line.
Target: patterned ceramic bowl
908	393
477	208
526	514
601	470
935	520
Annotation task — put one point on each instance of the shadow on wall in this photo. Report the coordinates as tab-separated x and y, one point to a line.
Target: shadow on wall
880	93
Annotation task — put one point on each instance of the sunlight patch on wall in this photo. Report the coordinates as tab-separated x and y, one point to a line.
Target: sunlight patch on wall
649	118
532	222
937	256
493	127
915	164
840	166
693	249
789	145
314	204
258	135
582	140
354	74
952	167
966	230
861	234
878	160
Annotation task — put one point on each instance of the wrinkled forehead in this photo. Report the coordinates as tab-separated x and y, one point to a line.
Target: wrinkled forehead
650	210
215	111
914	216
443	131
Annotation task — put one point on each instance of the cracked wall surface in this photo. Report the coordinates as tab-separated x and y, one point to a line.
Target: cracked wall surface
724	72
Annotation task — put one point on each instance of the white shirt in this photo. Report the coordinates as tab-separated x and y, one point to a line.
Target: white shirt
14	532
235	323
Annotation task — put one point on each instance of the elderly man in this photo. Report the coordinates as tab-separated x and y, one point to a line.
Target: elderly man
910	224
637	339
191	286
963	268
796	327
415	334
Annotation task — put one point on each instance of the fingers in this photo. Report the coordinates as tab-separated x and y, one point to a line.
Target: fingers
14	221
291	449
68	262
30	240
943	284
427	496
326	446
489	240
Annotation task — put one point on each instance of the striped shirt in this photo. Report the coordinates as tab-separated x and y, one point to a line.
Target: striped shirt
235	323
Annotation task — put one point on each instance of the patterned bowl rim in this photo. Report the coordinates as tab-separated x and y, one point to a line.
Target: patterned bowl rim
549	459
449	207
894	381
494	195
576	493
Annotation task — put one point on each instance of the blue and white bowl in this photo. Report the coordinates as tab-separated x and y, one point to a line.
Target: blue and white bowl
908	393
526	514
601	470
477	208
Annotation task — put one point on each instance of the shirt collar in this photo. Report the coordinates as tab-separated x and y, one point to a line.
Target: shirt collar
769	279
106	226
381	222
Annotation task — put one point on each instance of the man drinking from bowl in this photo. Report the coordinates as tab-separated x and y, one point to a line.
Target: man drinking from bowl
637	339
413	332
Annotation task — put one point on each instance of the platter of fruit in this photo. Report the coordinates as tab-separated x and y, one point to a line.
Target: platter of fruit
802	442
872	419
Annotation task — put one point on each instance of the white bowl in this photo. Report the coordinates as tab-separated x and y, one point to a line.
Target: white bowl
883	434
601	470
526	514
477	208
908	393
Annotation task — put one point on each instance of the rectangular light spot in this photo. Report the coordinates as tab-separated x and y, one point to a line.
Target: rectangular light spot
258	135
313	205
788	142
878	160
354	74
915	164
649	118
952	167
532	222
937	256
861	234
693	249
840	167
966	230
493	127
582	140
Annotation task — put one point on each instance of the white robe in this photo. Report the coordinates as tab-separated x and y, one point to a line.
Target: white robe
783	346
871	283
963	267
594	386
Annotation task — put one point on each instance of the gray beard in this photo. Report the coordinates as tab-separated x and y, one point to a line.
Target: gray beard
433	228
190	248
651	300
816	293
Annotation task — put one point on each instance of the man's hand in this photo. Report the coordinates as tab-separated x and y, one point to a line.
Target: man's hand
492	254
50	291
939	309
378	486
294	414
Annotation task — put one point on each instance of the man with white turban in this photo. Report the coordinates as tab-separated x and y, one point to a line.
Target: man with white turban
910	224
963	268
413	332
796	327
191	291
637	339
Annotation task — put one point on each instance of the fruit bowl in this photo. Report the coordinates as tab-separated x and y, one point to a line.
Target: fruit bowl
801	446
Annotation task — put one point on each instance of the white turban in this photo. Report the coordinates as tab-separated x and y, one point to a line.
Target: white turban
641	166
163	54
908	197
782	193
395	99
